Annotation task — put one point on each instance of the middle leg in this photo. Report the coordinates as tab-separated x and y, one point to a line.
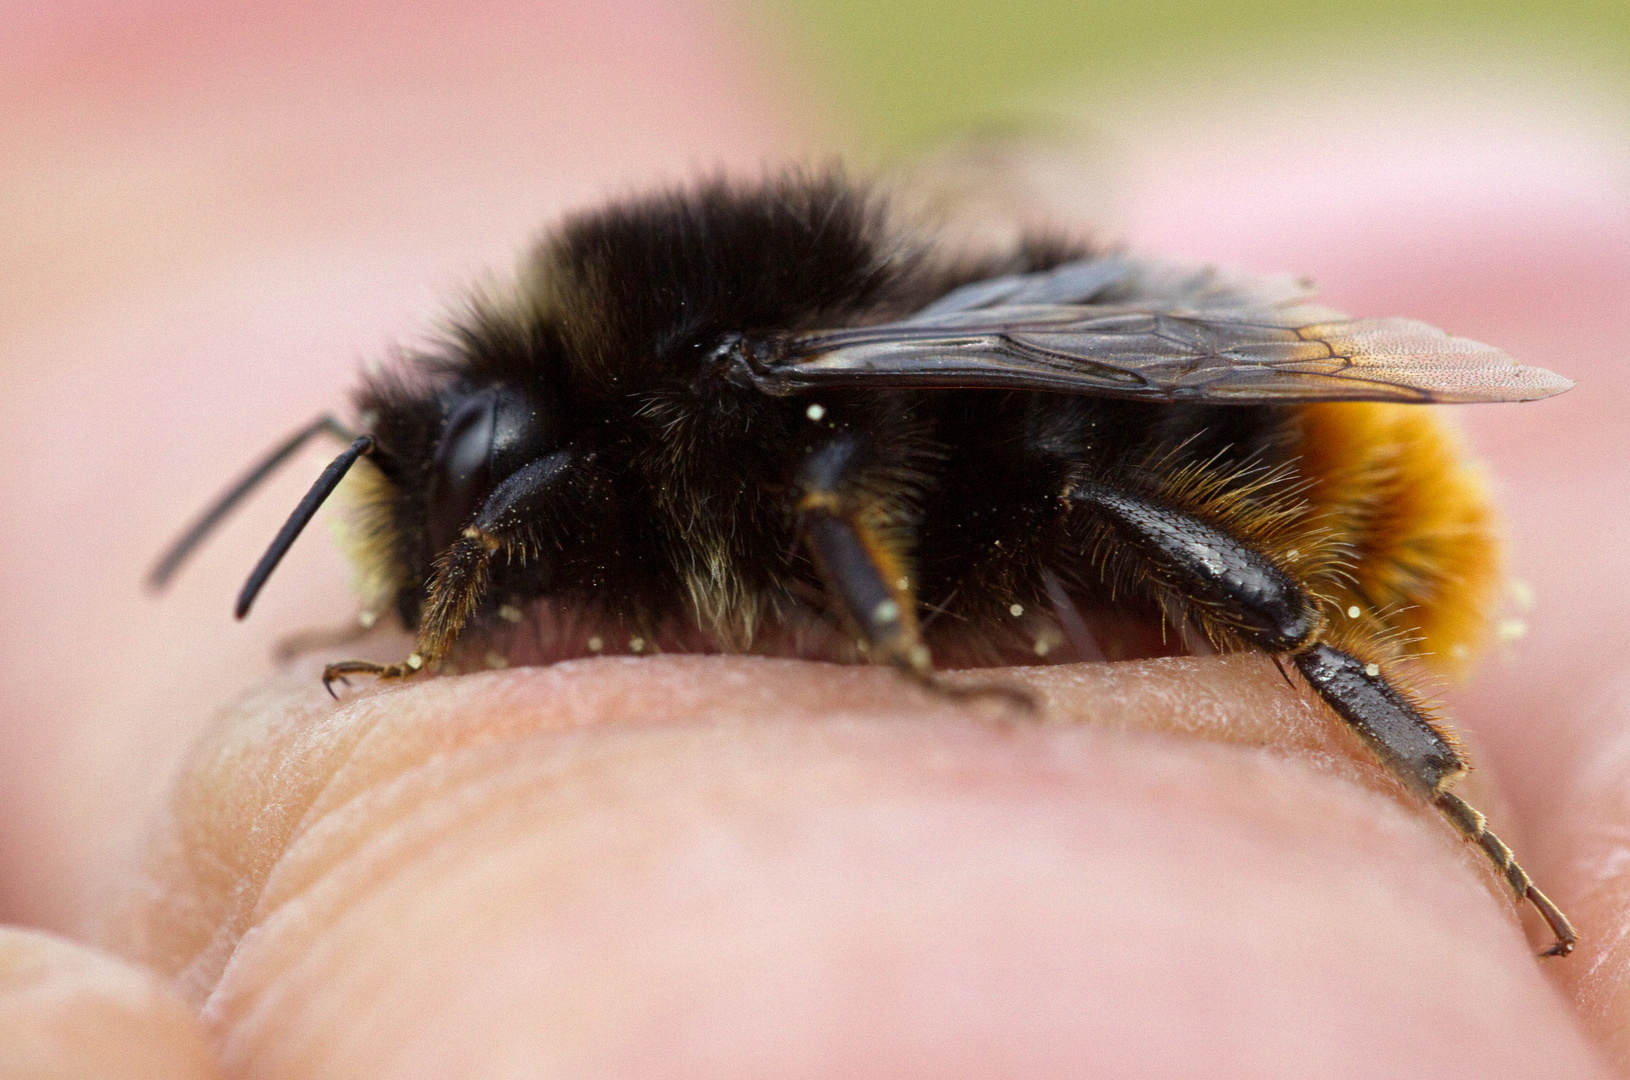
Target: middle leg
853	517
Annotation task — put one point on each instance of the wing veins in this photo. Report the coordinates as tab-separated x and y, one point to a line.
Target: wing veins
1255	340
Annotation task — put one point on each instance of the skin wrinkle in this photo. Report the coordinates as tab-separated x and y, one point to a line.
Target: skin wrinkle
279	752
327	771
533	898
412	796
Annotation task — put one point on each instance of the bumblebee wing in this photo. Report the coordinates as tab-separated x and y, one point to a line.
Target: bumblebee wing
1157	350
1124	280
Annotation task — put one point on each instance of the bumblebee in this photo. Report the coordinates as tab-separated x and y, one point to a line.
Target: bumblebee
766	417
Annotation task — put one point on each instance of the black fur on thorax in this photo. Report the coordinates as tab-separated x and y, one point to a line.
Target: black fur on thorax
612	331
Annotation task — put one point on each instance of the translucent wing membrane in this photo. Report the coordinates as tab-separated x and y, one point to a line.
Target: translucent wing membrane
1123	279
1156	332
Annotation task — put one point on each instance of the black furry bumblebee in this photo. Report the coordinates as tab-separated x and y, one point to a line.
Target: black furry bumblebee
763	418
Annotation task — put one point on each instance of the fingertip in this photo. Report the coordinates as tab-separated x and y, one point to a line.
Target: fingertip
678	865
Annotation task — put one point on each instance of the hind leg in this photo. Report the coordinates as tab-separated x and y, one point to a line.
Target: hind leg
1243	593
1414	750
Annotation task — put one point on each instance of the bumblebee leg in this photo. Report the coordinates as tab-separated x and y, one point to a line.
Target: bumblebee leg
858	547
336	673
1241	589
1471	823
513	520
1231	583
1412	748
461	580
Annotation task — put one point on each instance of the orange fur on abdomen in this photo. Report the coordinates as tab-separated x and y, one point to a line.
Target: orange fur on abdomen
1394	485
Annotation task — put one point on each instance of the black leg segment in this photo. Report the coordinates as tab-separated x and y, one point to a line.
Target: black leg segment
858	536
858	550
1226	577
1419	755
1415	751
1205	569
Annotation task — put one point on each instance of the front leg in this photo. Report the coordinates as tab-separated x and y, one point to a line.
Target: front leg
516	519
1209	570
855	522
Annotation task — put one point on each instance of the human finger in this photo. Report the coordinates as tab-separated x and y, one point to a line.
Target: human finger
70	1012
728	866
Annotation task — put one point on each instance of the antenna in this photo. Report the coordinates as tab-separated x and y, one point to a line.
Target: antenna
178	553
319	493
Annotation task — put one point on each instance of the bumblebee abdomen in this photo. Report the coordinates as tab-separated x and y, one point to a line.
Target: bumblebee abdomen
1394	484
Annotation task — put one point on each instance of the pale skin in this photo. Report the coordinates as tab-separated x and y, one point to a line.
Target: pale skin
732	866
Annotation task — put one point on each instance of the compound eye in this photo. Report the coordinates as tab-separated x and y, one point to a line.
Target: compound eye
461	469
520	433
489	434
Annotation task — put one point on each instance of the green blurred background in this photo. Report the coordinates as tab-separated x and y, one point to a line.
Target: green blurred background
907	74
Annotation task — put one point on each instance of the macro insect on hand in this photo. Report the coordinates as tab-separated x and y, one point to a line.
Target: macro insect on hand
738	418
